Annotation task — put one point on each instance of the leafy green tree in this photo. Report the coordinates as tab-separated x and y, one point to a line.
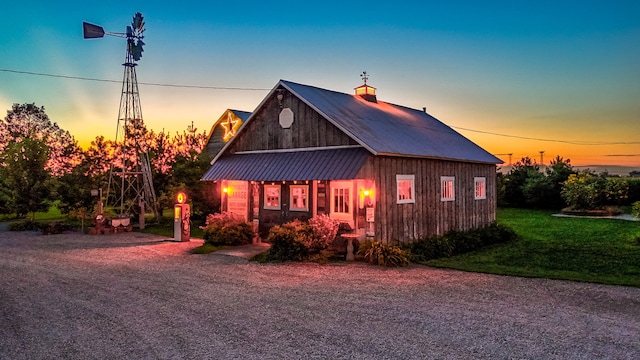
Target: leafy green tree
558	172
30	121
28	183
73	189
514	182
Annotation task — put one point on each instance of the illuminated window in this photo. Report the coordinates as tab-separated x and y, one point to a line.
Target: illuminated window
342	201
447	188
406	189
272	197
299	197
481	188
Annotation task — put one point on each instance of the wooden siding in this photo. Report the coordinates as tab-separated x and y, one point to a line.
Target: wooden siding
216	143
309	129
429	215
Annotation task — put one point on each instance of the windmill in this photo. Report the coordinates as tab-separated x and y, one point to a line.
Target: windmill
130	183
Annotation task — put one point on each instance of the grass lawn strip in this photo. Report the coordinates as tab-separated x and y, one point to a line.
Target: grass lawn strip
592	250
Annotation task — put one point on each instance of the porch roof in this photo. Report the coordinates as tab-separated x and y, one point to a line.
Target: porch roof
325	164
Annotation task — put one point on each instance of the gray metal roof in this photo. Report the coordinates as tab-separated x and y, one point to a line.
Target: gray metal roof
389	129
243	115
327	164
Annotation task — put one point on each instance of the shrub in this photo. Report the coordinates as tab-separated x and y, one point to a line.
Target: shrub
26	225
584	191
55	228
286	242
324	230
378	253
460	242
227	229
635	209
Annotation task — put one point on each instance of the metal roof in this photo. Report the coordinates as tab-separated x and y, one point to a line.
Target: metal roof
389	129
326	164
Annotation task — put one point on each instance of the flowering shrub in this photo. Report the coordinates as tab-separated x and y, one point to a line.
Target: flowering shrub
324	230
296	240
584	191
227	229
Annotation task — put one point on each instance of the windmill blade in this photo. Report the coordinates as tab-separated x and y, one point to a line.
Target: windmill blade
91	31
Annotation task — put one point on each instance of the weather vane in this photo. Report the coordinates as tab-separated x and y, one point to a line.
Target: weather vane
364	77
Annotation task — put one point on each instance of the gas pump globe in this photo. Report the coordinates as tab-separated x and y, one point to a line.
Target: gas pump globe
181	218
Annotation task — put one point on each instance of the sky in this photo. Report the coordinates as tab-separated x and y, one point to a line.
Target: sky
515	77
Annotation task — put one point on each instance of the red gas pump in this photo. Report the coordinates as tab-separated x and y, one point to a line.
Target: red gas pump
181	218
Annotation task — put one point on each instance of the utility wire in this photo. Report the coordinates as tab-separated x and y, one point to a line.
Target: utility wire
571	142
139	83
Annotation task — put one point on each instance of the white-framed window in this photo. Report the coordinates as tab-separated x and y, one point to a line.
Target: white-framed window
299	197
341	199
480	186
272	197
406	191
447	188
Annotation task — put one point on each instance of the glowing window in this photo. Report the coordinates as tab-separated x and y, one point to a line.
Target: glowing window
341	201
481	188
406	189
272	197
447	188
299	197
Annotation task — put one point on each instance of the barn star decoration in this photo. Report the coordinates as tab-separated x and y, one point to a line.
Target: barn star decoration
230	127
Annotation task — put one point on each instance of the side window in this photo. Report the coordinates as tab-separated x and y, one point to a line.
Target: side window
272	197
405	189
481	188
299	197
447	189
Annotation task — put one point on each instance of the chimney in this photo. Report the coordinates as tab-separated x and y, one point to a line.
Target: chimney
365	91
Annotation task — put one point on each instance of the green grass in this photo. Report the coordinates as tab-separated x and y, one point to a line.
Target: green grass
591	250
205	248
165	228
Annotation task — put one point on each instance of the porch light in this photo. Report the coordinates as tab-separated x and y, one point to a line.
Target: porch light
225	189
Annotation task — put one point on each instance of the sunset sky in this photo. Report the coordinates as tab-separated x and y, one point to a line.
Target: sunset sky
558	76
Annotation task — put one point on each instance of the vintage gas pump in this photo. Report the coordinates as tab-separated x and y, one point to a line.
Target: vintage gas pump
181	218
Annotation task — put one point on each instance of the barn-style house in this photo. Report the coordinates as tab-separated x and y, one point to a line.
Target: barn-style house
385	171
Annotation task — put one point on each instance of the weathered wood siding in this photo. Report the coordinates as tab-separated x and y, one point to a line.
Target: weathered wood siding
429	215
309	129
216	143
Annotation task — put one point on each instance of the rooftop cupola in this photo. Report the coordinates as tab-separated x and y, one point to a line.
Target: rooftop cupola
365	91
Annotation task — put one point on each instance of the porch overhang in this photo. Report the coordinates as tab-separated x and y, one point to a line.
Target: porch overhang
325	164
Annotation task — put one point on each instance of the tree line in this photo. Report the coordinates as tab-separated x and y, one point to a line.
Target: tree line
560	185
42	164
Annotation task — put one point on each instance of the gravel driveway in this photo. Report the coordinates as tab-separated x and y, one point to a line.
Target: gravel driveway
137	296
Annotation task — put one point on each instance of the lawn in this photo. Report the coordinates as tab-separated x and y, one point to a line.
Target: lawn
593	250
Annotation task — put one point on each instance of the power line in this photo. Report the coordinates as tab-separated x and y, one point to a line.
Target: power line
570	142
140	83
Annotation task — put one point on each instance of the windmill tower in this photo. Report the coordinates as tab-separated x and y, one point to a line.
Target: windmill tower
130	183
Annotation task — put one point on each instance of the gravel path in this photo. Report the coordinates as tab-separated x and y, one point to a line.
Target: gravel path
137	296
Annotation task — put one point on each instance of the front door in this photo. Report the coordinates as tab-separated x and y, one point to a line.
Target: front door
342	202
283	202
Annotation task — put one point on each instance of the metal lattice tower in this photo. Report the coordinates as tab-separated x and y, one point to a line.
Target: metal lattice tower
131	179
130	183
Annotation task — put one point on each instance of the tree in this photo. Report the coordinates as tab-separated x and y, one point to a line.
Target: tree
516	179
28	182
558	172
30	121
